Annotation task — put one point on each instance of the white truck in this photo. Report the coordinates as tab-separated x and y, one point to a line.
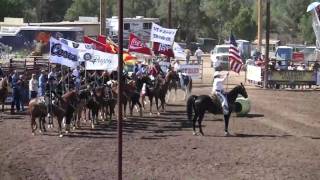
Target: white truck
219	57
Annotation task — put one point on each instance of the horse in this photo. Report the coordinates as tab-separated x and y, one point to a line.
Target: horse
201	104
38	109
158	91
69	102
3	91
184	83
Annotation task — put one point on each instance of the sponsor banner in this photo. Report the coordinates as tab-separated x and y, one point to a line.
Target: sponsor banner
318	78
179	52
164	66
292	76
61	53
102	61
85	51
191	70
254	73
162	35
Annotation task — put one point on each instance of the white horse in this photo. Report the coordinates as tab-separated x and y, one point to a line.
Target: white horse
181	81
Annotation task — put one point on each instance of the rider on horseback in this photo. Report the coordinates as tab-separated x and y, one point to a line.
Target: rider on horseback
218	90
50	92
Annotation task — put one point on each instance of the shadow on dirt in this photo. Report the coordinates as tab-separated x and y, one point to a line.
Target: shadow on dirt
251	116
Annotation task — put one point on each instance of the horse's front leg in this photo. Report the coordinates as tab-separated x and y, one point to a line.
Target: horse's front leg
43	120
60	126
33	125
194	120
151	99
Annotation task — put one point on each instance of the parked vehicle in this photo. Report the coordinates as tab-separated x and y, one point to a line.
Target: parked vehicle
219	57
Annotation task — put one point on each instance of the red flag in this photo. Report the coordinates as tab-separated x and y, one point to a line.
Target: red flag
136	45
102	39
162	49
98	46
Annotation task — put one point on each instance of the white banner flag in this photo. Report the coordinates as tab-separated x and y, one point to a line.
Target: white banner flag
85	51
102	61
162	35
254	73
179	52
60	53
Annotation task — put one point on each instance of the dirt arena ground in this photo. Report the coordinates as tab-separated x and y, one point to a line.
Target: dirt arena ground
279	139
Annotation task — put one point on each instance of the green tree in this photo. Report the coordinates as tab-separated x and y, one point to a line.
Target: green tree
82	8
243	25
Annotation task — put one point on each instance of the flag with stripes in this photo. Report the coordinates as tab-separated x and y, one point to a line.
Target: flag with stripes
234	56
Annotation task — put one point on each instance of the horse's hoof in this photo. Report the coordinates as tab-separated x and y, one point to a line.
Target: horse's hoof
194	133
150	113
33	134
40	131
74	128
158	113
67	132
227	134
92	126
61	135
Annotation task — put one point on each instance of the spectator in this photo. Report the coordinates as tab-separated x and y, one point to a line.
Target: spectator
198	54
1	73
15	92
77	78
42	83
33	87
23	91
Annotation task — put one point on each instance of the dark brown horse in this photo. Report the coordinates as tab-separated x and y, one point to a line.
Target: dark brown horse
3	91
69	102
159	91
38	109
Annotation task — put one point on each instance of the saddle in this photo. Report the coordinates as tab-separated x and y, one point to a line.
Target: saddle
216	101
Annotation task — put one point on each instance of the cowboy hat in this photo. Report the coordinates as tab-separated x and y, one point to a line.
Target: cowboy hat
216	74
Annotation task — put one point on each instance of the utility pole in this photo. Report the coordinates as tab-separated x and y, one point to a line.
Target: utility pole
259	25
169	13
267	44
120	86
102	17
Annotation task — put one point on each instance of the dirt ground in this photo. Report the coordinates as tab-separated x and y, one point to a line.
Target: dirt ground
279	139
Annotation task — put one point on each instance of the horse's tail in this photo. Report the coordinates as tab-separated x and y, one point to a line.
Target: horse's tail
190	106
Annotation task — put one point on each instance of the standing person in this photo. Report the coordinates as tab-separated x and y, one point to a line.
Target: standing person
188	55
15	92
33	87
218	89
198	54
42	83
23	91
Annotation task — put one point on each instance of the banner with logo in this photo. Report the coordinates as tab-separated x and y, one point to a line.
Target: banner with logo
191	70
179	52
136	45
85	51
162	49
61	53
162	35
102	61
254	73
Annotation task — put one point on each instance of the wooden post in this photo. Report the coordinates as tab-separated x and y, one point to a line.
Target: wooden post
120	86
169	13
102	17
267	44
259	24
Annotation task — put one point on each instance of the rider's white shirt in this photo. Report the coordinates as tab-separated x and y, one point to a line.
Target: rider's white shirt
218	84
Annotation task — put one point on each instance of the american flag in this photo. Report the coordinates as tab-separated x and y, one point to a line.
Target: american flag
234	56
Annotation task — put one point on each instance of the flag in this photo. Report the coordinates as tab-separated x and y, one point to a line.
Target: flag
61	53
163	49
99	44
179	52
234	56
136	45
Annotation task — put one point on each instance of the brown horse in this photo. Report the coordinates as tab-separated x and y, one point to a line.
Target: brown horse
69	102
3	91
38	109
